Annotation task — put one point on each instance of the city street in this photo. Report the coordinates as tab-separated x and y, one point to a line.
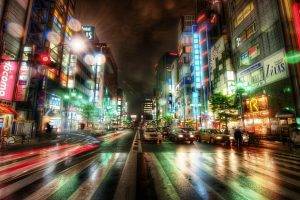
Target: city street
75	170
80	168
203	171
150	100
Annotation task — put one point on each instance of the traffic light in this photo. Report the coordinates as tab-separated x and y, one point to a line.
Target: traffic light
44	58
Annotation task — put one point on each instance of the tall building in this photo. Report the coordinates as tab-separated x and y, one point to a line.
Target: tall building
53	80
14	16
258	47
185	42
164	84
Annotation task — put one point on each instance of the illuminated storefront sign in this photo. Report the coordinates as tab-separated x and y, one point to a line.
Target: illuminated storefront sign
256	104
23	82
54	102
8	70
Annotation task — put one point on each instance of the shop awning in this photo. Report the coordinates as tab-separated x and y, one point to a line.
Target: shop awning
4	109
285	114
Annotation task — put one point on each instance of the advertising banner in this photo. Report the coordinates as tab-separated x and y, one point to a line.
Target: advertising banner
275	67
8	71
23	82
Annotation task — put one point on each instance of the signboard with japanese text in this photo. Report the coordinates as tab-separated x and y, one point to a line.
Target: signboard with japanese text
8	72
23	82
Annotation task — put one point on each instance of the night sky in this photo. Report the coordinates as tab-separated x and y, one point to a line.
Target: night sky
138	32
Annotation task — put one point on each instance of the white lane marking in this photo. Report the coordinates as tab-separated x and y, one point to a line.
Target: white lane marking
61	178
163	186
88	188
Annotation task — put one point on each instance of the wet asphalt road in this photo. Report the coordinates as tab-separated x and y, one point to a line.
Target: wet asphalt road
203	171
81	169
78	169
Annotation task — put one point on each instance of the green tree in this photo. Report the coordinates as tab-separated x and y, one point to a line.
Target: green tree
89	113
224	107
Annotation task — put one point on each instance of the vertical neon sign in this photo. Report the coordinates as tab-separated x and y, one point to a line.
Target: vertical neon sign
197	72
296	16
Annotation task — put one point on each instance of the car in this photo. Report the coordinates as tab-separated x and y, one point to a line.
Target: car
181	135
213	136
165	131
245	136
151	134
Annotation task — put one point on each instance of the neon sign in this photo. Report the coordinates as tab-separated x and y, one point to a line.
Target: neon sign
8	71
296	16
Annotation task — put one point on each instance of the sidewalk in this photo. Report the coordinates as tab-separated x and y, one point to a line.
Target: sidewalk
278	146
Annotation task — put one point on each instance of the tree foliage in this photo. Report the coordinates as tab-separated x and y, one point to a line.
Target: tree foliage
89	112
224	107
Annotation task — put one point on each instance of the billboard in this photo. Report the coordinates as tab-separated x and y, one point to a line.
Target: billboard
8	72
275	67
89	32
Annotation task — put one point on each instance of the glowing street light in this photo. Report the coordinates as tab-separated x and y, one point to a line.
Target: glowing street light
77	44
100	59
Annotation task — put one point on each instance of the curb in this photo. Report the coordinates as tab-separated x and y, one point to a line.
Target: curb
126	189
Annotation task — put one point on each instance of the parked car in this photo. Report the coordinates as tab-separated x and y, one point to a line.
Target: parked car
181	135
213	136
166	131
152	134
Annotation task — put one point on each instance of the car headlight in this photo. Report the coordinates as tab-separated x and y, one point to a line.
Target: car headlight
219	137
181	136
231	137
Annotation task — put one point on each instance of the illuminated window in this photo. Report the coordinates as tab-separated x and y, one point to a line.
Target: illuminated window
243	14
230	76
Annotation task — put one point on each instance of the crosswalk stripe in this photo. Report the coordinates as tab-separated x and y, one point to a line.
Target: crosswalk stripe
183	187
32	159
52	186
88	187
255	173
206	172
10	189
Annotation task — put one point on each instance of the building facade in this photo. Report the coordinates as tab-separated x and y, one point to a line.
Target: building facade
258	48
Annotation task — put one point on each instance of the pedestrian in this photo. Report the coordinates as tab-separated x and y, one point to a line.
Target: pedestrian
48	128
238	136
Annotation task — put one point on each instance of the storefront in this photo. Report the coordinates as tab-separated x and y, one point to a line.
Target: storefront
256	114
7	114
53	113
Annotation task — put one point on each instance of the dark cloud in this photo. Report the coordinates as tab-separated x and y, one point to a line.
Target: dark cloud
138	32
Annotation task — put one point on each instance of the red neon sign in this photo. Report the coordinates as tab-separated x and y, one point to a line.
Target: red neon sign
296	16
8	72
